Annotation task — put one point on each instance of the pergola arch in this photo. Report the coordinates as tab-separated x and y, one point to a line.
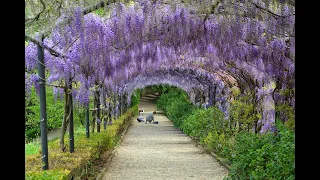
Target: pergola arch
241	43
114	51
196	82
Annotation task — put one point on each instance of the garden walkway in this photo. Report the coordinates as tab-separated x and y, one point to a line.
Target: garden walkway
160	151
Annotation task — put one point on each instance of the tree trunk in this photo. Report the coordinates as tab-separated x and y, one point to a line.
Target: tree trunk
87	122
110	117
65	118
70	117
94	115
104	112
120	105
214	96
98	110
114	107
105	119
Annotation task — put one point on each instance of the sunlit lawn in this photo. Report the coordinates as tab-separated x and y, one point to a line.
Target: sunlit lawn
32	148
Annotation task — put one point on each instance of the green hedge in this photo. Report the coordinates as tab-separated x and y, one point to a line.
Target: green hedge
249	155
268	156
64	165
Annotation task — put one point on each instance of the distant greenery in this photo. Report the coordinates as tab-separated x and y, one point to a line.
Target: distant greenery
250	155
135	97
175	105
100	12
35	146
161	88
55	113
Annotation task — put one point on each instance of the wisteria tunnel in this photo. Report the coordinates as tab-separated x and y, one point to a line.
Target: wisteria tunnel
207	48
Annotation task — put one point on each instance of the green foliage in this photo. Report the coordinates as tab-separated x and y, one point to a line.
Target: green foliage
251	156
200	122
288	112
285	112
63	165
178	110
55	110
32	115
79	115
100	12
264	156
235	91
55	113
32	148
165	88
161	88
173	94
135	97
153	89
56	174
31	133
242	112
175	105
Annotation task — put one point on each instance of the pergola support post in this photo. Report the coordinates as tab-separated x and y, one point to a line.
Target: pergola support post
43	113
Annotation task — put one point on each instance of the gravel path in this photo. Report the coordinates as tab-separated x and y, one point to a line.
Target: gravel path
160	151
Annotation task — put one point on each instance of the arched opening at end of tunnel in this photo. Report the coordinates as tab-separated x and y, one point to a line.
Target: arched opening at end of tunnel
159	97
148	96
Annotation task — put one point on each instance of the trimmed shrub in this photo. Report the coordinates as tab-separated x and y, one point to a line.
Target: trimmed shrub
249	155
264	156
64	165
